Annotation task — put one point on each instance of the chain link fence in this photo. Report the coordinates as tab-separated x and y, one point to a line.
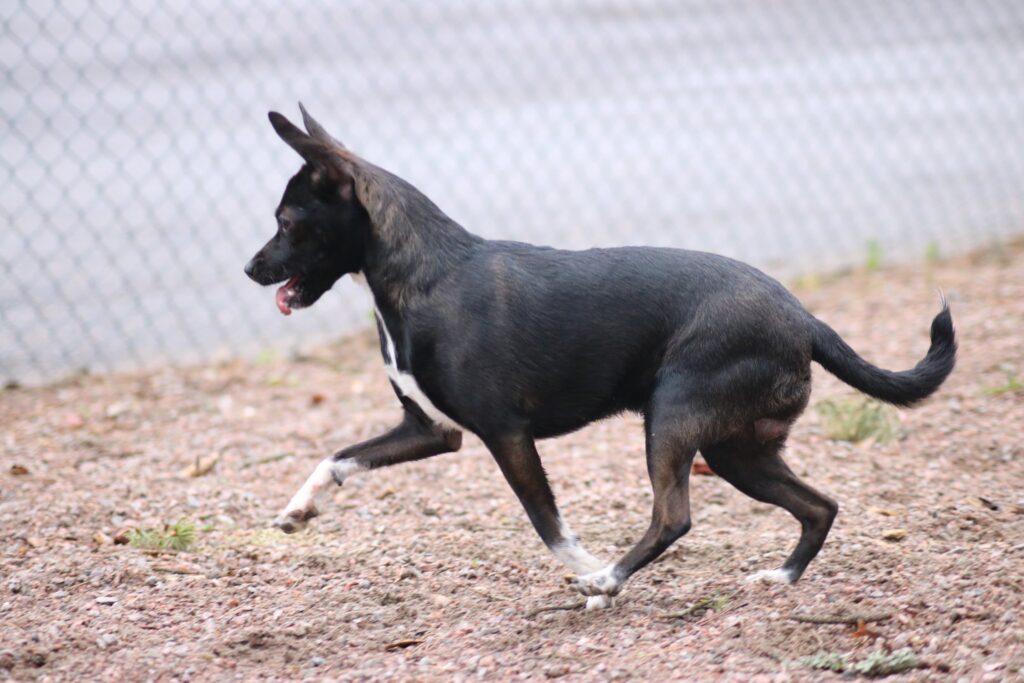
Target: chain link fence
138	171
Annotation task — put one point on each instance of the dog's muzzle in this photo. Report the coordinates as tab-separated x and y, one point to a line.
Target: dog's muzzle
251	266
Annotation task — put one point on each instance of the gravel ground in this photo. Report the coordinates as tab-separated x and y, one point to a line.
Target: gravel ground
430	571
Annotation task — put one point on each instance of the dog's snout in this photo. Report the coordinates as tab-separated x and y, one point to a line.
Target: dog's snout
252	266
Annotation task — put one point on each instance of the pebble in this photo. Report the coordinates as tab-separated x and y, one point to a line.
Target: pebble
317	661
106	600
107	640
14	586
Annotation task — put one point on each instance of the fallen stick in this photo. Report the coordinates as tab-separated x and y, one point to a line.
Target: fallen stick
714	603
689	611
402	644
263	461
554	608
961	616
102	455
168	569
851	619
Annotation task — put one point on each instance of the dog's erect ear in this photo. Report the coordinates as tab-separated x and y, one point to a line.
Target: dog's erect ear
301	142
320	154
316	130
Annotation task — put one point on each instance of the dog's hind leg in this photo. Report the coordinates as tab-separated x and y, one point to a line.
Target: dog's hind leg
671	447
519	461
758	470
413	439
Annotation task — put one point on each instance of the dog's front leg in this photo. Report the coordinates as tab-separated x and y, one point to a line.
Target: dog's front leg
520	463
410	440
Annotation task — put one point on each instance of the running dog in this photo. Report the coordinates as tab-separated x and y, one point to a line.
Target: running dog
515	342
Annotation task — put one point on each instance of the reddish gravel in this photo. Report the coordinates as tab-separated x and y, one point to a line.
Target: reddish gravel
430	571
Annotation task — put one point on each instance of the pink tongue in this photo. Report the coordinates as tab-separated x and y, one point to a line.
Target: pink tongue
285	292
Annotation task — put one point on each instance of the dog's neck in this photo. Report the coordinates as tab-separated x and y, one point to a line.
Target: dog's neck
411	244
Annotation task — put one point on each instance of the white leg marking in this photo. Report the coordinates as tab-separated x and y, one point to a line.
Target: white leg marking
571	552
302	507
407	384
771	576
601	582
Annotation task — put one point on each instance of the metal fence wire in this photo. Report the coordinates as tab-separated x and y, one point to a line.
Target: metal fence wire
138	171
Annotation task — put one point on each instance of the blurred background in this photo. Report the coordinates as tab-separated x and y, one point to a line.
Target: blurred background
138	172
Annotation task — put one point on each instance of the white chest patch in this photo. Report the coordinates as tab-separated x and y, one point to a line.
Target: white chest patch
407	384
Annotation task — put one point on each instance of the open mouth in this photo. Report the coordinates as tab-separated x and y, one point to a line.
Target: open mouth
286	295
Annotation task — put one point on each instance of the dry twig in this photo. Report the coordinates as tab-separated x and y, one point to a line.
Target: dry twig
554	608
263	461
851	619
174	569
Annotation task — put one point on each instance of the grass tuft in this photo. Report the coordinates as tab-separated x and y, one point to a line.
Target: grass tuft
876	664
858	418
880	663
828	661
1012	385
873	258
178	536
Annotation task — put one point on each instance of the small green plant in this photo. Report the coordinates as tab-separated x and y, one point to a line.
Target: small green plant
873	259
880	663
178	536
719	602
876	664
709	603
809	281
858	418
265	357
932	254
1011	386
829	661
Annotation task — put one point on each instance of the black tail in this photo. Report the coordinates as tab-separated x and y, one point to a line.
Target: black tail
901	388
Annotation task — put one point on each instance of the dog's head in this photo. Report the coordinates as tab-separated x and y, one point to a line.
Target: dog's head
321	226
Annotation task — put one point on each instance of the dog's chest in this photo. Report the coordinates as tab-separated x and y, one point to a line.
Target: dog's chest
404	380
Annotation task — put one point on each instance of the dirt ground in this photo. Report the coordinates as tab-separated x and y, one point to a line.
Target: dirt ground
431	571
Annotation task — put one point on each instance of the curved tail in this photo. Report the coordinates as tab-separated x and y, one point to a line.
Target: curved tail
900	388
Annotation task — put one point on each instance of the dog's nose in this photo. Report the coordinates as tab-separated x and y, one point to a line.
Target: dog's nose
250	267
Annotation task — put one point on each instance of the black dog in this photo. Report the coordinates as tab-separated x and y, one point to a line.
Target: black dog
515	343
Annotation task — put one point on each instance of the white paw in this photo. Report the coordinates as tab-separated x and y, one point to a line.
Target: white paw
600	602
292	521
771	576
597	583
